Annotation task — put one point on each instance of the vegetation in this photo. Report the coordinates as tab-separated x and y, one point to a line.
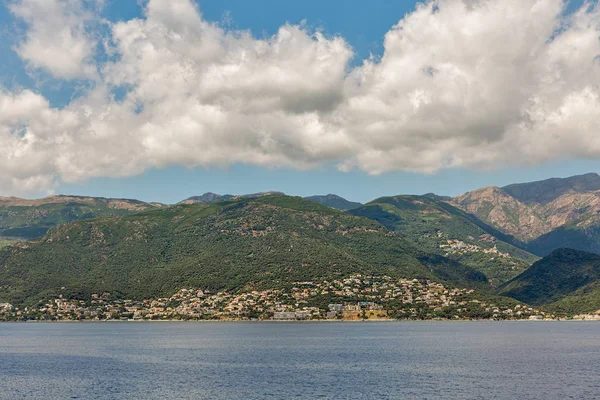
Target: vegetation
567	280
138	251
440	228
575	235
27	219
334	201
583	300
244	243
7	241
545	215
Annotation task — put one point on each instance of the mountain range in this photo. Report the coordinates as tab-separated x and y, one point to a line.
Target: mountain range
544	215
329	200
440	228
490	239
30	219
232	244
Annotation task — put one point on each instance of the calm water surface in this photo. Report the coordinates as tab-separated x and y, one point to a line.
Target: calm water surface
425	360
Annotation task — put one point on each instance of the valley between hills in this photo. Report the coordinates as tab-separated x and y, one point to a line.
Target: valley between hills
524	251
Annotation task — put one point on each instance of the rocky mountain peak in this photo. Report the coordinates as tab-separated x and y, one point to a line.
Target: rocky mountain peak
495	206
208	197
535	212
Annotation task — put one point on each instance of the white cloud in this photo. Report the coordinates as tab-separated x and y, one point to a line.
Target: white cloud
57	37
471	83
476	84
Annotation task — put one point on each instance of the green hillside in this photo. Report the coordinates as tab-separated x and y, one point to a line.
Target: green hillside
30	219
567	280
583	235
582	301
334	201
262	242
440	228
6	241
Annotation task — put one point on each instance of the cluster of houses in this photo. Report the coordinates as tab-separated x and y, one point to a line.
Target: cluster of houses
459	247
453	246
352	298
588	317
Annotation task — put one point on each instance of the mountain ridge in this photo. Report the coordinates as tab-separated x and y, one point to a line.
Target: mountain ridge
556	280
550	189
209	197
215	241
544	215
334	201
22	219
442	229
269	240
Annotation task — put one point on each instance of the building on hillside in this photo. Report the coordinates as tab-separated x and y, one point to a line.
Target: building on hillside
285	315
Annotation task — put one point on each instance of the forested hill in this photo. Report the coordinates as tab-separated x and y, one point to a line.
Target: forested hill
247	242
29	219
334	201
565	281
437	227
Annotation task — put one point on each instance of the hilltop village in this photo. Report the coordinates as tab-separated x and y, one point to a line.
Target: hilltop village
355	298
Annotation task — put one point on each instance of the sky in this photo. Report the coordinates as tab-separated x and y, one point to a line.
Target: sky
164	99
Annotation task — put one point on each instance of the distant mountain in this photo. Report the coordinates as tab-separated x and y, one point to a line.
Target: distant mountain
260	194
496	207
29	219
440	228
434	196
206	198
579	235
209	197
334	201
543	192
268	241
544	215
567	280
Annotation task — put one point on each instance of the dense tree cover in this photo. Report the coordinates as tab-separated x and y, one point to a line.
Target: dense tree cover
579	235
430	223
567	280
273	241
583	300
6	241
243	243
334	201
31	222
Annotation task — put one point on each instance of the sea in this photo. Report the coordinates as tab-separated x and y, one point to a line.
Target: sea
304	360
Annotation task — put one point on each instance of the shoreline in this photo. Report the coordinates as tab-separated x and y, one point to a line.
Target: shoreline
295	321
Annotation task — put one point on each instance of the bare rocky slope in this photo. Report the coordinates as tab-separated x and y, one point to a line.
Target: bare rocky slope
544	215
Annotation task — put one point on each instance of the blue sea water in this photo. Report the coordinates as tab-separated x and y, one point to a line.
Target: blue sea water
362	360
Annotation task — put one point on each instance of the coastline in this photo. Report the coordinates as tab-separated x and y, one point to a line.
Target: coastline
270	321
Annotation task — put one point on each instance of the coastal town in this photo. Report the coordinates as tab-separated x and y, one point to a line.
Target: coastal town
357	297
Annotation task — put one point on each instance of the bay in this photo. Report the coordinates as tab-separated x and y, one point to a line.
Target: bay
329	360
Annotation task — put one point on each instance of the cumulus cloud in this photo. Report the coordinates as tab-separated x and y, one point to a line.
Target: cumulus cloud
58	40
478	84
469	83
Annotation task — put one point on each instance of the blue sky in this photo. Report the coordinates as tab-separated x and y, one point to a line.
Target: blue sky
363	26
